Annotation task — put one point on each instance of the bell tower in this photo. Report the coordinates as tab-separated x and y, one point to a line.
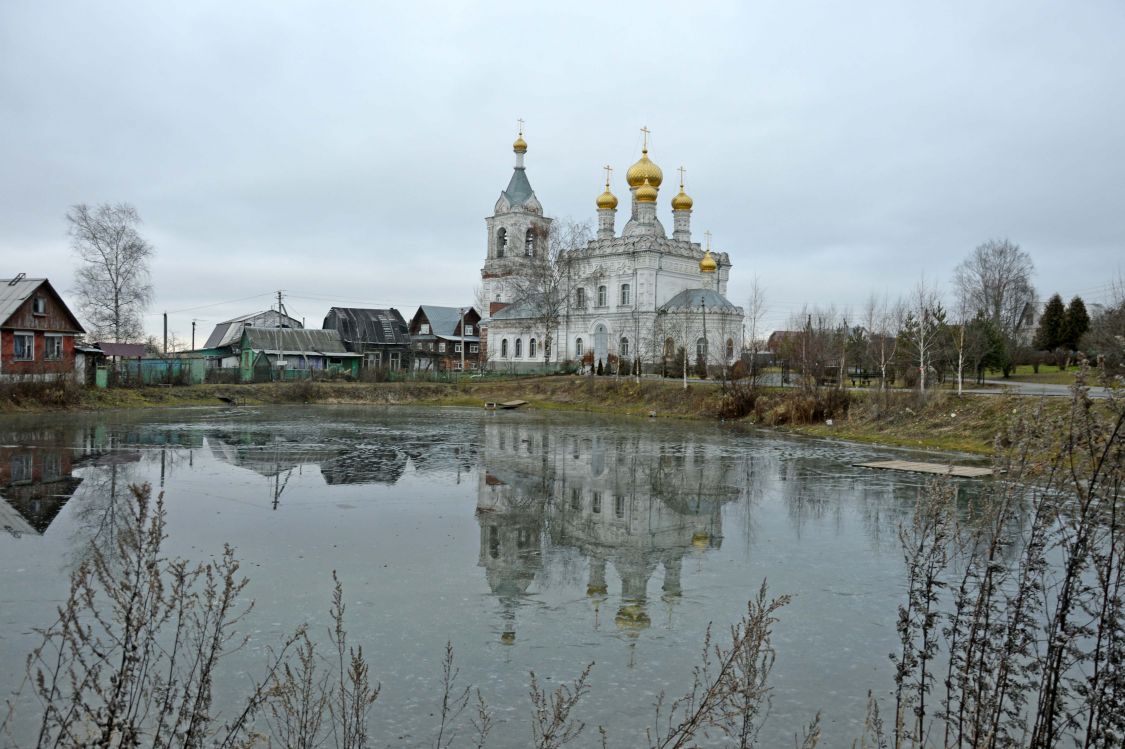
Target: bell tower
517	233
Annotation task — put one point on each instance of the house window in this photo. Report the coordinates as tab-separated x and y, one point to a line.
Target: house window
519	347
501	242
39	306
441	347
601	296
474	348
457	348
578	347
580	298
529	243
531	348
375	359
52	466
701	349
469	330
504	348
24	347
54	347
624	293
394	360
623	348
21	467
424	328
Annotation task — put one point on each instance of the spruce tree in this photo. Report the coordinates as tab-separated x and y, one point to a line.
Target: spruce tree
1076	324
1050	334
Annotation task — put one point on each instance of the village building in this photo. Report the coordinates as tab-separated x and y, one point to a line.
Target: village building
35	484
445	337
289	354
221	348
379	336
635	297
37	330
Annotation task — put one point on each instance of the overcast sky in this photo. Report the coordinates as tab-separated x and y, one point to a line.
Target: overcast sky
348	153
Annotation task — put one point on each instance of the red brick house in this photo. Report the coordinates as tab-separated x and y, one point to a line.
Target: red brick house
37	330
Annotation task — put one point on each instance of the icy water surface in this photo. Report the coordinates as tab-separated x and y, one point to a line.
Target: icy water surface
531	541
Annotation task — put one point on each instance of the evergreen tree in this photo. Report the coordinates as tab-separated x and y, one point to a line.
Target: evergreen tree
1050	334
1076	324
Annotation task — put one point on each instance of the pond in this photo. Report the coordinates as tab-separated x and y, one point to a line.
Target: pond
532	541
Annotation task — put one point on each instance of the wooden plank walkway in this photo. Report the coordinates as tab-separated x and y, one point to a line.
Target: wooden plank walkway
941	469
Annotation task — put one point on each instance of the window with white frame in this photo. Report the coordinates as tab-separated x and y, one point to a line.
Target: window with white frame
441	347
578	347
531	348
504	348
23	348
701	349
625	298
474	348
580	298
457	348
601	296
39	306
469	330
53	349
424	328
623	347
519	347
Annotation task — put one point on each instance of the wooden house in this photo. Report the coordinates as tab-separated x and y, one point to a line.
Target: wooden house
221	347
287	354
37	330
438	334
380	336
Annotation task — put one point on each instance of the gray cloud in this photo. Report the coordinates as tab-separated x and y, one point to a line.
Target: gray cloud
351	154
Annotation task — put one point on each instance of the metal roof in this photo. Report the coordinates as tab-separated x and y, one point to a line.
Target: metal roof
443	320
519	189
295	341
696	299
228	332
368	326
16	291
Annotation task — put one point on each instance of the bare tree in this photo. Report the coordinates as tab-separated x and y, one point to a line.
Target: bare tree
755	315
995	280
882	323
923	321
542	293
112	280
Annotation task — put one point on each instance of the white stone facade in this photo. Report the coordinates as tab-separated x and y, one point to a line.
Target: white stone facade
638	295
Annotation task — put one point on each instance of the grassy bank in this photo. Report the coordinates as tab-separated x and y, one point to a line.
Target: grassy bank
944	421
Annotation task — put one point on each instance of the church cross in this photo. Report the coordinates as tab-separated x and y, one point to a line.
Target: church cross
708	235
520	121
608	170
681	170
646	131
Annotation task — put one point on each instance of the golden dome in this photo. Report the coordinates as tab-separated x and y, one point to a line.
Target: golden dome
642	170
682	202
632	616
607	199
646	193
708	264
701	540
520	146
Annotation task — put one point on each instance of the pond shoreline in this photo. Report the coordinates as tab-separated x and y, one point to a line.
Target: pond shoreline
943	422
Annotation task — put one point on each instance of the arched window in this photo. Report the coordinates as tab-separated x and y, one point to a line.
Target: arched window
669	348
619	506
519	347
529	243
700	349
623	347
624	293
601	296
531	349
580	298
578	347
730	348
504	348
501	242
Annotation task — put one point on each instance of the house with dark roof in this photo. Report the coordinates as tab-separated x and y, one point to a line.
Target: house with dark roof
440	335
221	347
379	336
37	330
288	354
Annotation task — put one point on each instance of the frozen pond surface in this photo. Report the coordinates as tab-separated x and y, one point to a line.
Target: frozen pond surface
532	541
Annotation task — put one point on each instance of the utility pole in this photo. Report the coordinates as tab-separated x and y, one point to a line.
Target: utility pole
165	333
193	335
280	308
462	341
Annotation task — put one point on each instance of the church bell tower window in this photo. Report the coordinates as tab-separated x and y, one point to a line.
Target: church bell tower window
501	242
529	243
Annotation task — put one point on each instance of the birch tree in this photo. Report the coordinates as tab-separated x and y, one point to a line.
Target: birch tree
112	279
923	322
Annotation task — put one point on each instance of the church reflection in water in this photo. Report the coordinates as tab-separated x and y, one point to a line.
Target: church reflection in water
627	501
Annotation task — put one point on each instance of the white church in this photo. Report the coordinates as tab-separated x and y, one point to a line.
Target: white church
632	299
